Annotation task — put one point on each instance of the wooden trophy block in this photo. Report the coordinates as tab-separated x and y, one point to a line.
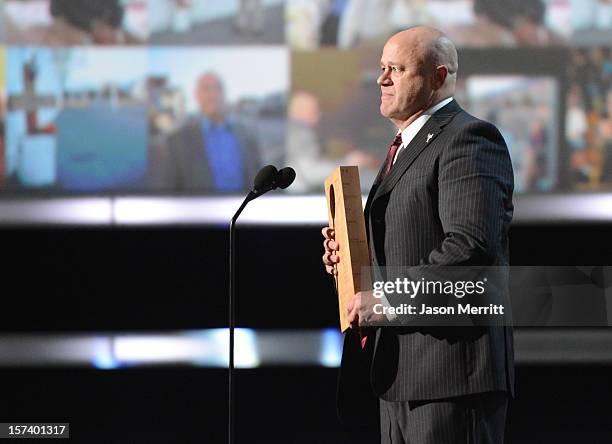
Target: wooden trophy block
345	211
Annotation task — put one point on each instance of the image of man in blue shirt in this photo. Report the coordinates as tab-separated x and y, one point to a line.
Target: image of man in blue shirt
211	152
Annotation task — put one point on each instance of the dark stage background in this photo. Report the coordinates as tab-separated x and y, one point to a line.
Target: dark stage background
174	278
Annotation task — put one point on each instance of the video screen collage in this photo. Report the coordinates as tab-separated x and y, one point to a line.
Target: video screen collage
194	96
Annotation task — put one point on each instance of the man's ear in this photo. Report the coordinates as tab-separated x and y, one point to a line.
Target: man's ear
440	76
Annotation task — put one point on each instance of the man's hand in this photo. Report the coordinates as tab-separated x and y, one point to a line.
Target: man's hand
360	309
330	257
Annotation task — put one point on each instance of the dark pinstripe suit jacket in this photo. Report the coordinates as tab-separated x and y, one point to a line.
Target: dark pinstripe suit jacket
449	202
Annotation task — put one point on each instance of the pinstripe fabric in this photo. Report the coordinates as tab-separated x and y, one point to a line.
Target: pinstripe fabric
447	201
476	419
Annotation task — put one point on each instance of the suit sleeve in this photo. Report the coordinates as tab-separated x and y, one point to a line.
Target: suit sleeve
171	173
164	169
475	185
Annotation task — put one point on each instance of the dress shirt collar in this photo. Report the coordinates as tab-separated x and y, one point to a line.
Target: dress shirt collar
411	130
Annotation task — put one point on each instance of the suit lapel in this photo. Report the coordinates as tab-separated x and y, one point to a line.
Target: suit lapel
372	192
421	140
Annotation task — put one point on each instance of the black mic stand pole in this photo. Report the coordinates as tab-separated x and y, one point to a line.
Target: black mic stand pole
266	180
232	313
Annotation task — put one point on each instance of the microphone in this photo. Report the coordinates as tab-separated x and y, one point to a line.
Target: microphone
285	177
265	180
269	178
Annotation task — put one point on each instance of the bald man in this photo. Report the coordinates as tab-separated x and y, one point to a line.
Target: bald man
211	152
442	197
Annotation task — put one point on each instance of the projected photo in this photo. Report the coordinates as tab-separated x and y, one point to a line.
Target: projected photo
69	22
469	23
2	113
206	86
216	116
591	22
334	117
193	22
525	110
75	122
588	120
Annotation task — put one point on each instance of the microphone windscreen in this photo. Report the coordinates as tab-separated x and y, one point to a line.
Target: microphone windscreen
265	178
286	176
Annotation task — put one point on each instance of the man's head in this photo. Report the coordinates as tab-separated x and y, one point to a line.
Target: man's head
102	19
304	107
210	97
418	69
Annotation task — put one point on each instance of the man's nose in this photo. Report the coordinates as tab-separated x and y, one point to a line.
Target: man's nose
383	78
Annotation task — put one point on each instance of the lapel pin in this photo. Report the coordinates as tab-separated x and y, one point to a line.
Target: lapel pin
429	136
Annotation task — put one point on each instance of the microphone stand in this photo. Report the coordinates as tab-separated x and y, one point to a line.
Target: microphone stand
268	178
232	313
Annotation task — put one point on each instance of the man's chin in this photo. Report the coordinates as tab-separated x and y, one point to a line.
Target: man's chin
384	111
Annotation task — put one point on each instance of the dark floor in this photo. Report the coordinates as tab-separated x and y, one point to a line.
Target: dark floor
282	405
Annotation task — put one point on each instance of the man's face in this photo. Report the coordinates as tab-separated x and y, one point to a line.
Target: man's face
209	95
104	34
406	86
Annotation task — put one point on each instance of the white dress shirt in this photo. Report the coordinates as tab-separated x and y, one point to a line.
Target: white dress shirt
411	130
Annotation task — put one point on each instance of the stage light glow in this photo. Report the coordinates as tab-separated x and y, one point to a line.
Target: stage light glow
81	211
207	348
218	210
269	210
331	348
156	349
245	351
103	357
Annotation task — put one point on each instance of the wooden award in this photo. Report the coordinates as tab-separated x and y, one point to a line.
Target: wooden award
345	212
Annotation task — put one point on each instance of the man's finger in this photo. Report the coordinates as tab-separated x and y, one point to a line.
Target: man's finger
353	305
326	257
328	233
353	319
329	258
331	245
352	316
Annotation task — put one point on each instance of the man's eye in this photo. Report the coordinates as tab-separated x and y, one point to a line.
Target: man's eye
394	69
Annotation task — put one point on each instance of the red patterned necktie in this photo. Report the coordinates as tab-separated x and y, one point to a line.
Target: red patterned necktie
397	142
363	337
